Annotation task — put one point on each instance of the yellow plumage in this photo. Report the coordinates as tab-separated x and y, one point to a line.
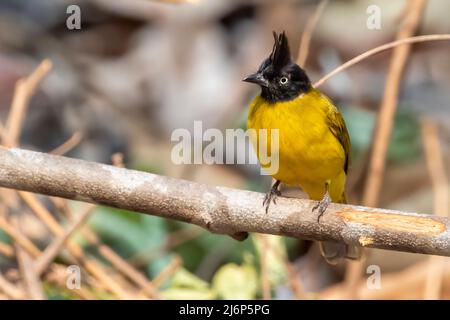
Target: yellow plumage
313	142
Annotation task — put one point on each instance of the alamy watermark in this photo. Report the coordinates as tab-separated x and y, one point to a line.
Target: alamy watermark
73	21
212	146
374	280
373	21
73	280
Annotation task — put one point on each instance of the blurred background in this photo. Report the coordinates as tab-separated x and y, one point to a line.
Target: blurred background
138	69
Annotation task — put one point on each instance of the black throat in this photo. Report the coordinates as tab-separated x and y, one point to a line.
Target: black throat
273	95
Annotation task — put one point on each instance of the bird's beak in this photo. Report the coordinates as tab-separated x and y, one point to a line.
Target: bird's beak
257	78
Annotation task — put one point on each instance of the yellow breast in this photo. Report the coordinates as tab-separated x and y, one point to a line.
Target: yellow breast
308	151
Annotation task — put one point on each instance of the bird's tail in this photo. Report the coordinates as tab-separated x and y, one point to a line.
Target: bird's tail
334	252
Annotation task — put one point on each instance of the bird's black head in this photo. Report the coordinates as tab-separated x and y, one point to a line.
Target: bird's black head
279	77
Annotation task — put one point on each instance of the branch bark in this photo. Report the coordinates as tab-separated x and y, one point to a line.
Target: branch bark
219	209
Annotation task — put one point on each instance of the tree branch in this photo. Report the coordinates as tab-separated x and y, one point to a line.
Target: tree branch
218	209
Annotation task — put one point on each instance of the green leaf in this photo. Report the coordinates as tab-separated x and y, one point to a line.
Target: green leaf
360	124
4	237
185	285
232	281
405	138
185	279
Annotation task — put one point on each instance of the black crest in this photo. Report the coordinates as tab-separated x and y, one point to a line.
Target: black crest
281	55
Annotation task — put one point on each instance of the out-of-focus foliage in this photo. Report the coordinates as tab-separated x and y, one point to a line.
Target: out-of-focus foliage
405	139
185	285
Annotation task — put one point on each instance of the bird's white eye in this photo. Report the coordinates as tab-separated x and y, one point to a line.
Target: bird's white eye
284	80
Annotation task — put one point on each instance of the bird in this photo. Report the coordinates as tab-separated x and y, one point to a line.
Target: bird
314	144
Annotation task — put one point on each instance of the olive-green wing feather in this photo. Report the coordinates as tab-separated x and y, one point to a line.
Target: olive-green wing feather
337	126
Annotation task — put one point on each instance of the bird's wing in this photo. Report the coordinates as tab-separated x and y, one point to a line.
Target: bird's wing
337	126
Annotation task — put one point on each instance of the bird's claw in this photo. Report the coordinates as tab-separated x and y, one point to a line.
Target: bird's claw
271	196
322	206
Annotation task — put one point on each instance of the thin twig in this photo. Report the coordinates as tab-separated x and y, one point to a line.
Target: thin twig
18	237
441	190
374	51
436	166
3	133
40	211
167	272
263	260
6	250
307	33
12	291
30	276
55	247
70	144
100	273
25	89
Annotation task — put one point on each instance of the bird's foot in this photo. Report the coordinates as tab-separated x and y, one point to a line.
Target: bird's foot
322	206
271	196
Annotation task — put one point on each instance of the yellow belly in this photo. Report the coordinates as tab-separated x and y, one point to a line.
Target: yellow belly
309	154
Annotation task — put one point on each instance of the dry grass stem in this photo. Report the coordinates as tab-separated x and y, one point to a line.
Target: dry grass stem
69	145
374	51
167	272
307	33
57	245
441	190
25	88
